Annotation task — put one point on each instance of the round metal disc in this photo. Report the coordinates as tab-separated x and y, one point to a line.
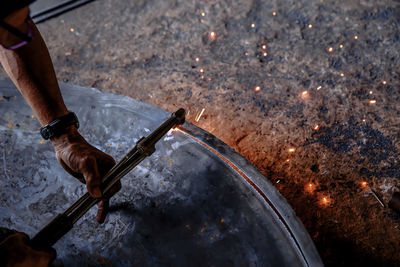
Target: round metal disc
195	201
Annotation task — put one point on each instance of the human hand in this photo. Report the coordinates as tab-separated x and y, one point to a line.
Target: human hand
16	252
87	164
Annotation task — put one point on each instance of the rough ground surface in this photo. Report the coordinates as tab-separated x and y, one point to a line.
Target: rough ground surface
148	50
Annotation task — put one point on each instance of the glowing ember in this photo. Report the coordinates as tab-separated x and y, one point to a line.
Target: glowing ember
292	149
341	46
310	188
364	120
370	92
212	35
319	87
305	94
32	116
264	47
330	50
384	82
316	127
325	201
257	88
202	77
342	74
355	37
309	26
201	70
372	101
246	54
253	25
203	14
287	160
265	54
364	184
274	13
197	59
72	30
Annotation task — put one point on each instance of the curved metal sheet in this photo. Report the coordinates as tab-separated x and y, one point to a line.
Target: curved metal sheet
193	202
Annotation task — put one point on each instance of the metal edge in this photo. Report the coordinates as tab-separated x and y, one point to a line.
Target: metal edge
264	188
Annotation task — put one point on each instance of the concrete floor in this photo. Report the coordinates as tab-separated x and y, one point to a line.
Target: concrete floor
318	104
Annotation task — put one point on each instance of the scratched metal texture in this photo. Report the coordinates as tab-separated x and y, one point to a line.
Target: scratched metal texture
182	206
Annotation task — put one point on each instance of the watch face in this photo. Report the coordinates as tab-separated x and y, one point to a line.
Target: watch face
46	133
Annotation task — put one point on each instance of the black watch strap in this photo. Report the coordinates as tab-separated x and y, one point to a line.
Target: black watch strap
59	125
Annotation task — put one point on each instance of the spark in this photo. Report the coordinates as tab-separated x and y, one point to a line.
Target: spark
32	116
203	14
222	220
364	184
201	113
305	94
372	101
287	160
355	37
341	46
274	13
310	188
202	77
246	54
364	120
325	201
264	47
316	127
201	20
330	49
342	74
201	70
292	149
257	88
253	25
370	92
212	35
265	54
384	82
72	30
319	87
197	59
309	26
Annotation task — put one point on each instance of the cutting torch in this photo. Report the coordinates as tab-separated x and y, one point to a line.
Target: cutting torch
64	222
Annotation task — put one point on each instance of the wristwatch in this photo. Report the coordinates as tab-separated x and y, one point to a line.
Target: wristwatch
59	125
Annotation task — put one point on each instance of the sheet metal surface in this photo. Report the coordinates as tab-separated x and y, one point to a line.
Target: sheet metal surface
188	204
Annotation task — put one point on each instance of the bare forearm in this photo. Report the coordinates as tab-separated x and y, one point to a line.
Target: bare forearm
32	71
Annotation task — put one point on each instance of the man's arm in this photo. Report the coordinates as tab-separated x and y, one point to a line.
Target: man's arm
32	71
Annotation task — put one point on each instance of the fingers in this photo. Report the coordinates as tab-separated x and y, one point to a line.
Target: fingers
92	177
104	204
102	210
